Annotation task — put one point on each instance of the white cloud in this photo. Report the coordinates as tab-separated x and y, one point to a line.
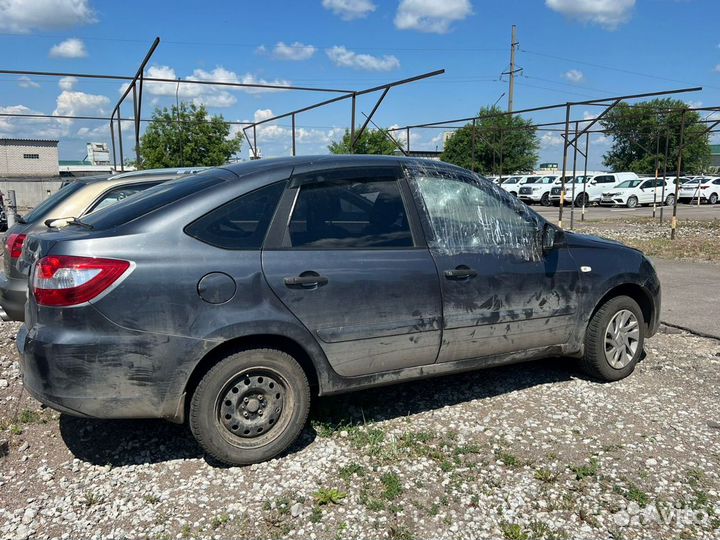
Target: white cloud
23	16
717	68
348	10
574	76
26	82
550	139
41	128
343	57
210	95
434	16
296	51
608	14
70	103
70	48
67	83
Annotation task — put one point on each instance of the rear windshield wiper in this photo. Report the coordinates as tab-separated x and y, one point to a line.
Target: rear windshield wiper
68	221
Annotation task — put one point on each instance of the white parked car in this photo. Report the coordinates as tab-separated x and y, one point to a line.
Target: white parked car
538	190
707	188
633	193
513	183
595	186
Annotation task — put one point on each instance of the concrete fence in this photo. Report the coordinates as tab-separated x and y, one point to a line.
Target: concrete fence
30	192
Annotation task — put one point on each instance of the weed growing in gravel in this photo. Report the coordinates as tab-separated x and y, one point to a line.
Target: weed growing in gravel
186	531
546	475
541	530
513	531
400	532
90	499
392	486
31	417
218	521
371	503
354	469
369	439
315	515
585	470
508	459
325	496
151	499
16	429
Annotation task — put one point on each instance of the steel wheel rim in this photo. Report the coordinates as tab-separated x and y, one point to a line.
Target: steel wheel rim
252	408
632	202
622	337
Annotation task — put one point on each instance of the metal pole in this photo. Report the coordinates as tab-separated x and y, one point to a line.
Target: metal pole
513	46
502	144
572	203
472	167
564	166
407	140
673	223
665	162
293	135
352	124
112	138
657	170
136	119
120	143
585	179
255	148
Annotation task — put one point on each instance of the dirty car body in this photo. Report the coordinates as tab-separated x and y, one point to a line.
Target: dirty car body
362	270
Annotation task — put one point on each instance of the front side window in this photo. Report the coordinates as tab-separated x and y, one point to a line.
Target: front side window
240	224
350	214
467	215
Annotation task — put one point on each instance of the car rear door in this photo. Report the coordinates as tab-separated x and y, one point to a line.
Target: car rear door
346	255
500	292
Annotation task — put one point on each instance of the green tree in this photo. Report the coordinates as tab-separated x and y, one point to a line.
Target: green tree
635	131
187	136
495	133
370	142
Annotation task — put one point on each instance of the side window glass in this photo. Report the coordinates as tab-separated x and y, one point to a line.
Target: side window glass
467	215
647	184
118	194
240	224
350	214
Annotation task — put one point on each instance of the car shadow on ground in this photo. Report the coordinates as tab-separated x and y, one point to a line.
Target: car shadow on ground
131	442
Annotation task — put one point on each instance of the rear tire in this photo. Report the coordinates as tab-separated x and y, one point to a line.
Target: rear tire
670	200
614	340
582	198
713	198
250	406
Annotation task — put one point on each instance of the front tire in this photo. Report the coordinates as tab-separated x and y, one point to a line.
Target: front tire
632	202
614	340
545	199
250	406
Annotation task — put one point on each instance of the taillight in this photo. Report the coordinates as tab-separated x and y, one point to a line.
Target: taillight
705	187
14	245
64	281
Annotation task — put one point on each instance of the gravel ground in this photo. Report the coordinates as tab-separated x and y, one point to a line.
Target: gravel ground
526	451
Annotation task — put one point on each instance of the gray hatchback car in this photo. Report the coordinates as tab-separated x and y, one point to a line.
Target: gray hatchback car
231	297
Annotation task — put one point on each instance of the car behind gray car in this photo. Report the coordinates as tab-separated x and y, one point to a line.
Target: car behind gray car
231	297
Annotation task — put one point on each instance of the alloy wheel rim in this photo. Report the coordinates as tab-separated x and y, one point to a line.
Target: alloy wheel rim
622	337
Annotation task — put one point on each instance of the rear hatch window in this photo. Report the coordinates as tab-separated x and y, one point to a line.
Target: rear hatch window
51	202
155	198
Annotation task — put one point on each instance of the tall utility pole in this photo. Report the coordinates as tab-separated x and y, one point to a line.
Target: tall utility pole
513	48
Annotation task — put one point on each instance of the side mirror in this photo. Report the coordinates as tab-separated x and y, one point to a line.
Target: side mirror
593	182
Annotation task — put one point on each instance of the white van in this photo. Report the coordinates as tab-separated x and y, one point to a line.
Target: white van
594	185
538	190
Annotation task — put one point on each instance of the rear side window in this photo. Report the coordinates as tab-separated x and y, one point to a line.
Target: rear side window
51	202
240	224
605	179
350	215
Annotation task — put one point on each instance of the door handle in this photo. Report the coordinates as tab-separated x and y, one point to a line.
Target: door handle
461	272
306	280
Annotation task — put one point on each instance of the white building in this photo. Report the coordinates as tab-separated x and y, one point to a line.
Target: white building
28	158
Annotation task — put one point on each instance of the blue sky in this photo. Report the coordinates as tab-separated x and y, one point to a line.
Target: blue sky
569	50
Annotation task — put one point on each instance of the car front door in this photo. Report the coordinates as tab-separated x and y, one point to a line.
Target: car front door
646	192
500	292
346	257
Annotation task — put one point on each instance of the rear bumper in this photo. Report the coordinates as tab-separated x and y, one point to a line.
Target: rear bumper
13	295
100	370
